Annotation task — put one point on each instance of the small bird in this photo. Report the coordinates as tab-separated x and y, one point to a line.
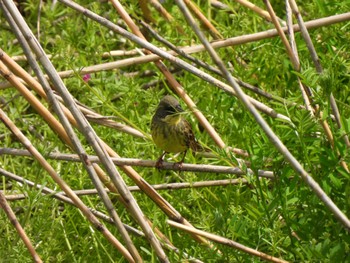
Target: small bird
171	132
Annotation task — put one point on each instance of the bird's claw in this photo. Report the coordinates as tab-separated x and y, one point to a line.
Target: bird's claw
178	165
159	164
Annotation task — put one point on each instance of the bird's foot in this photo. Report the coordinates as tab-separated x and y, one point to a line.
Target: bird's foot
159	163
178	165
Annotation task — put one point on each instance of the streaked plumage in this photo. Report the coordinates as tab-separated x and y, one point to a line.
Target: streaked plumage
171	132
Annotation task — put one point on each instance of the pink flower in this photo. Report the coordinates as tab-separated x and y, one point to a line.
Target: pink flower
86	77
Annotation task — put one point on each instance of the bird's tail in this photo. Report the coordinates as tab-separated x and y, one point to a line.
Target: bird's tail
197	147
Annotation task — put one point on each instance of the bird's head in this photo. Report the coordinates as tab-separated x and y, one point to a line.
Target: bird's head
169	110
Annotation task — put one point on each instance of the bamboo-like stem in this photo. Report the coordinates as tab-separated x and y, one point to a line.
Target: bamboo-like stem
12	217
148	58
306	36
112	53
256	9
161	10
161	202
319	69
94	221
218	4
291	50
179	51
64	198
179	63
239	40
175	186
205	22
173	82
15	197
315	187
226	241
337	119
35	85
176	86
21	26
145	163
283	37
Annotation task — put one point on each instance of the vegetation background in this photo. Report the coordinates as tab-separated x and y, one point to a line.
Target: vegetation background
280	217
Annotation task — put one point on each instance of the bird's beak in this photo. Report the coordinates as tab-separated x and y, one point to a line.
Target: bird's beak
179	109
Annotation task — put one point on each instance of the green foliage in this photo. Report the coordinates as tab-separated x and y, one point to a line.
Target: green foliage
280	217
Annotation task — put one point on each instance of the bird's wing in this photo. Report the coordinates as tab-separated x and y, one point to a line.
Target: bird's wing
191	139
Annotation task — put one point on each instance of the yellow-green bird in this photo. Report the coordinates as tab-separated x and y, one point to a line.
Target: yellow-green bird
171	132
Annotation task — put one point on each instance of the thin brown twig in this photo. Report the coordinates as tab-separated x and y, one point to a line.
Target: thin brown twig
291	50
15	197
94	221
90	114
204	21
145	163
12	217
161	10
176	87
306	36
21	29
338	120
226	241
64	198
135	188
274	139
239	40
176	186
218	4
257	10
179	51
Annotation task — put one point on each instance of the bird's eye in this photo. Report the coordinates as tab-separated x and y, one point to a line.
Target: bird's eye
170	109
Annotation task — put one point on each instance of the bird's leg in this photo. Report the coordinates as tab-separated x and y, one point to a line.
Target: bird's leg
179	164
159	163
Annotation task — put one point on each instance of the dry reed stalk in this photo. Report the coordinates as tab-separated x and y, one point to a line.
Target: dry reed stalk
175	85
306	36
84	209
13	219
91	115
226	241
204	21
165	14
315	187
199	48
175	186
64	198
305	91
21	29
256	9
146	163
179	51
15	197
